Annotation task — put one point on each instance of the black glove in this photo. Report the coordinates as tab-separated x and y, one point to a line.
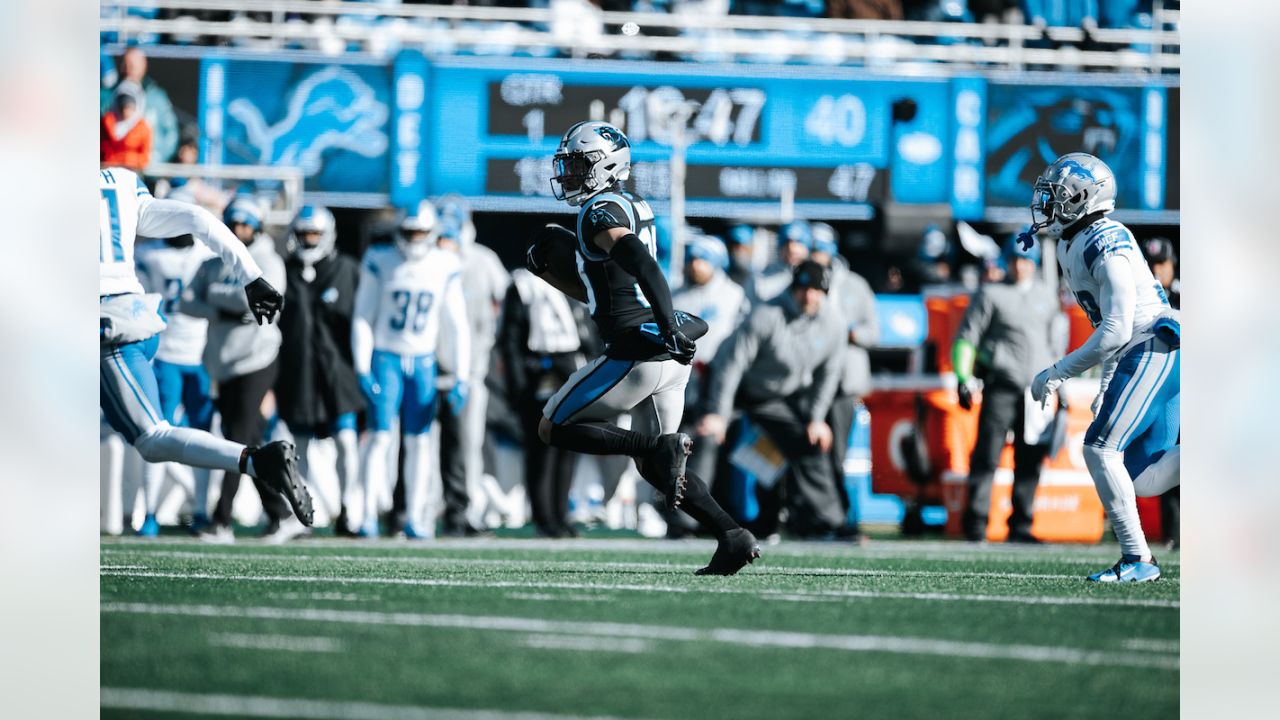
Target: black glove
680	347
264	301
965	395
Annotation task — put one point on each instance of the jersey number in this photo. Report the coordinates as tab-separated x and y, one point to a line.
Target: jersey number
116	251
1090	307
172	294
408	303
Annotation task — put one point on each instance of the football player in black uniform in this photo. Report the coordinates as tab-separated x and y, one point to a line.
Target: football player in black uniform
648	345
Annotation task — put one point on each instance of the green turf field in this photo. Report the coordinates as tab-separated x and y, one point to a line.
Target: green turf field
501	628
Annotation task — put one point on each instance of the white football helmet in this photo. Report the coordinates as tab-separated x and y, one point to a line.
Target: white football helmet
1075	185
312	219
422	220
592	157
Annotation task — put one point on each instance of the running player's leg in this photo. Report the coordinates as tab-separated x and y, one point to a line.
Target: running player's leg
417	410
383	408
576	417
1126	411
169	392
130	399
198	406
1154	458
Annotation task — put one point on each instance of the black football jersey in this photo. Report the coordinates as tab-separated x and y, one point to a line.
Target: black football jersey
614	298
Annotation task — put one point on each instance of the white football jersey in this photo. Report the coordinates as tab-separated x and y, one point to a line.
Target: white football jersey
552	327
1082	268
126	210
403	298
167	270
722	303
120	200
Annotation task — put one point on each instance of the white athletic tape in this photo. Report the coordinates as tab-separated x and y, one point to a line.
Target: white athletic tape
728	636
185	703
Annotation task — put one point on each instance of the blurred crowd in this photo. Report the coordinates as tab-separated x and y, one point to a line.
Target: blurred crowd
581	20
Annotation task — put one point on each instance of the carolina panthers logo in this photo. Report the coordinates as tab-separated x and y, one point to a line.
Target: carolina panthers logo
330	109
612	135
600	216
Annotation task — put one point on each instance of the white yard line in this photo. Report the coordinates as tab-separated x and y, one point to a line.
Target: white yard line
184	703
608	566
539	585
588	643
940	550
287	643
728	636
1157	645
557	598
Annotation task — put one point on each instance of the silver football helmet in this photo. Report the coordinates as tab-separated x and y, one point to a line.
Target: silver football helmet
312	219
592	157
422	219
1075	185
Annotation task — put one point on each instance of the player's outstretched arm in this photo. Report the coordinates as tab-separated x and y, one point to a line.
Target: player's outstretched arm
1118	302
169	218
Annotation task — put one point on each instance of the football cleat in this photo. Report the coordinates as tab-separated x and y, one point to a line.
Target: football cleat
412	533
150	528
1128	569
738	549
370	530
276	464
668	461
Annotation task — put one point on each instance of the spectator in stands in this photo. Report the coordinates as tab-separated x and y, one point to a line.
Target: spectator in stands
778	8
782	369
241	356
1045	14
1004	338
795	240
542	341
125	136
1163	262
932	264
484	284
155	105
865	9
710	294
317	392
852	295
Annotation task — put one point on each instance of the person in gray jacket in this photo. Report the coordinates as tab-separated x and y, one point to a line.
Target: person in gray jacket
856	301
782	368
240	356
1005	337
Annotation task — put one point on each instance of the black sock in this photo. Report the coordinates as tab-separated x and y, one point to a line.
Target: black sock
699	504
601	438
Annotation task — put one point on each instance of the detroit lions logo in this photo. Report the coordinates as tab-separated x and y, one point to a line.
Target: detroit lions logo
1071	167
613	136
330	109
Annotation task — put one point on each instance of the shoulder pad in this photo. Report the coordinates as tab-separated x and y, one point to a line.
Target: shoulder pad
1109	238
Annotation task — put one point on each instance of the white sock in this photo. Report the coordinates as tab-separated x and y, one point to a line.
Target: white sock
200	492
152	477
1115	488
373	473
417	458
302	443
197	448
348	458
1160	476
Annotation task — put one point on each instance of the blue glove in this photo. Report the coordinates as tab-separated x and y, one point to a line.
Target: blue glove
458	397
372	390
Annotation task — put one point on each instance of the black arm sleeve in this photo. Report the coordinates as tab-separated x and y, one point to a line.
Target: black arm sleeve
633	257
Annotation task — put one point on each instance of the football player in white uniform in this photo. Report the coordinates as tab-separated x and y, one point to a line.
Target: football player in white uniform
166	267
393	343
129	324
1131	447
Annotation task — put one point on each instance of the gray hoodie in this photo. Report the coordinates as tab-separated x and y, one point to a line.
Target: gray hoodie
235	347
779	351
